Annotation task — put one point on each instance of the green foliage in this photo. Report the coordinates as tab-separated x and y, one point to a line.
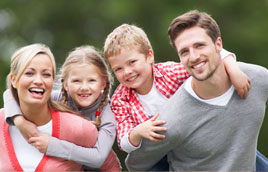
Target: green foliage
63	25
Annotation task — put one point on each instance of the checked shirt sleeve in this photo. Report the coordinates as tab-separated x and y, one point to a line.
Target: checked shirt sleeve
120	108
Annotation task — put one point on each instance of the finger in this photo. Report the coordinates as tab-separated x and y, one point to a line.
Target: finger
155	140
156	129
159	122
32	139
158	136
154	117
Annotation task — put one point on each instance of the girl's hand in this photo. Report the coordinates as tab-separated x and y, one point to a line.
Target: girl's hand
27	128
40	142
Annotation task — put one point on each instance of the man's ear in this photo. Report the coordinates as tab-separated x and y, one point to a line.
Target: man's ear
218	44
13	80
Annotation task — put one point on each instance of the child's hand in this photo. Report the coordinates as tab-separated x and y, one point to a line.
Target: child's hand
27	128
238	78
241	83
148	130
40	142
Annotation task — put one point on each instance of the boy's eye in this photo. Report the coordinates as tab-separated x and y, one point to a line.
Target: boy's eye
92	80
117	69
132	61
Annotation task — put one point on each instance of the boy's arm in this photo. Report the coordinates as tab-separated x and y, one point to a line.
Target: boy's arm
238	78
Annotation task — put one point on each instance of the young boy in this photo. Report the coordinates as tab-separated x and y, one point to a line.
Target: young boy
145	86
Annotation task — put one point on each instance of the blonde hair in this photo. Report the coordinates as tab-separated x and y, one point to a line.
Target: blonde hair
21	59
126	36
87	55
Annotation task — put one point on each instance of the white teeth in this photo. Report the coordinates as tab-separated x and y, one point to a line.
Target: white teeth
132	78
38	90
198	65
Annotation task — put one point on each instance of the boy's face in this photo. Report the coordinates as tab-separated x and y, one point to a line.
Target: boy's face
198	53
133	69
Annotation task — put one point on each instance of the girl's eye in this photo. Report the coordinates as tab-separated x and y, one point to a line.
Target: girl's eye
76	80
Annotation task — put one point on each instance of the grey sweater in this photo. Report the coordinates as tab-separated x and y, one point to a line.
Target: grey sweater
91	157
204	137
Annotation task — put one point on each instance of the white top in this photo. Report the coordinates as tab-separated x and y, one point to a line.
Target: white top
27	155
151	103
221	100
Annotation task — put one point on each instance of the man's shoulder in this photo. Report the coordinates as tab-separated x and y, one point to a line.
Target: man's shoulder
253	69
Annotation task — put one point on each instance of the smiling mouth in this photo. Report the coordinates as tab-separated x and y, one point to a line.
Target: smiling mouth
132	78
38	91
198	65
84	95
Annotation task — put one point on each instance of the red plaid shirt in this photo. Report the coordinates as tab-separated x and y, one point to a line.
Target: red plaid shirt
129	112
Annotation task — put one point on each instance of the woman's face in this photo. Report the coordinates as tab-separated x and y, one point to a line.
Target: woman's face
36	82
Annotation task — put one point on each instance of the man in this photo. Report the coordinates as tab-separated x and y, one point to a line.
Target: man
209	127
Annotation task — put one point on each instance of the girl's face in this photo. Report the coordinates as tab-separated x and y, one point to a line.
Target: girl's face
84	84
36	82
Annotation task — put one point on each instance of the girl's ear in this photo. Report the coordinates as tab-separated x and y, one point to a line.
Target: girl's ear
65	86
103	86
13	80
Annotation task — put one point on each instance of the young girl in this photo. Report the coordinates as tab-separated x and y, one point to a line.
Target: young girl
86	83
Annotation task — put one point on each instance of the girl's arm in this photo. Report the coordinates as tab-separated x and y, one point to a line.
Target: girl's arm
91	157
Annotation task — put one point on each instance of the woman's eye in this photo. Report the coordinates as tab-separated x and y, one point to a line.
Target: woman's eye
29	73
47	75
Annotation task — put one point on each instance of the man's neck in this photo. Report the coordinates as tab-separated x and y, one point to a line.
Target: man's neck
214	86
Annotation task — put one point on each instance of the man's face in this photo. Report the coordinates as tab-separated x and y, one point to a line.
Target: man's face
198	53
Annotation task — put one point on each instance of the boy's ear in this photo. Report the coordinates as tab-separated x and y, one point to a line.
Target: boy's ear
150	56
13	80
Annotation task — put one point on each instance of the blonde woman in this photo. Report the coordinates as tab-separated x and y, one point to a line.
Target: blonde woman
31	80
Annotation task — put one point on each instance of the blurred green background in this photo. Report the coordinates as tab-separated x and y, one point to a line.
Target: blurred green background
63	25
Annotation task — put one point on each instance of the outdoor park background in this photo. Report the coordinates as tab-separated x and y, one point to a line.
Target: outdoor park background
63	25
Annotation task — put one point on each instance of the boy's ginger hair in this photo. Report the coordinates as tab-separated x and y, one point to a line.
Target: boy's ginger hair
126	36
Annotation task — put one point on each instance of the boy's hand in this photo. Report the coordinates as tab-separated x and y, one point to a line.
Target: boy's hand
241	83
238	78
27	128
40	142
148	130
